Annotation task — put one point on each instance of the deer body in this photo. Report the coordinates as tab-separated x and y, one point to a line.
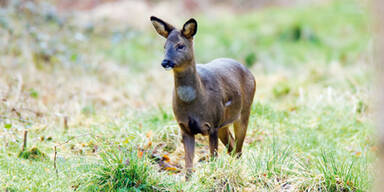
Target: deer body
207	98
217	99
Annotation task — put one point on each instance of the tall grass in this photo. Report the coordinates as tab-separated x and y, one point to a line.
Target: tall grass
123	171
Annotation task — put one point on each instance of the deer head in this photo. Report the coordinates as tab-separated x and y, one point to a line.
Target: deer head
179	44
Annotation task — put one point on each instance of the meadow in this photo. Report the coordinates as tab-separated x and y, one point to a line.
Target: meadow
96	103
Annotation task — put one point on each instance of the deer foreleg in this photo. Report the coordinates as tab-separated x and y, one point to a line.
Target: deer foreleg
213	143
189	150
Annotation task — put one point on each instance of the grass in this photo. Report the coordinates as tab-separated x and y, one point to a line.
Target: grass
100	96
33	153
123	171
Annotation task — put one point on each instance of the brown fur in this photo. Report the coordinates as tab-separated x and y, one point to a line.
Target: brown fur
207	98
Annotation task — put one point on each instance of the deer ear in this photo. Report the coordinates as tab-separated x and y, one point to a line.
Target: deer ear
189	28
162	27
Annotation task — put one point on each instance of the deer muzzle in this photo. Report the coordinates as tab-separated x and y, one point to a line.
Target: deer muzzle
168	64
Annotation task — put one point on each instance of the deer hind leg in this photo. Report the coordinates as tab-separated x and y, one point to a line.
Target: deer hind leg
226	138
240	128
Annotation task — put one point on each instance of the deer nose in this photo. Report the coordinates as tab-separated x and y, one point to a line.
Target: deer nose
167	64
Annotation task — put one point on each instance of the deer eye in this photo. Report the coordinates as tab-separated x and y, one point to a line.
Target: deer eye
180	47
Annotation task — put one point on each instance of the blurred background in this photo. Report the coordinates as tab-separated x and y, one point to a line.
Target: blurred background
71	68
107	50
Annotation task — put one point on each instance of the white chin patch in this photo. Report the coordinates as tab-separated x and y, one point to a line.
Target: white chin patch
168	68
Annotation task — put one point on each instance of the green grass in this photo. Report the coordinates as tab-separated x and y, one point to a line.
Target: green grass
34	154
272	37
289	37
311	125
123	171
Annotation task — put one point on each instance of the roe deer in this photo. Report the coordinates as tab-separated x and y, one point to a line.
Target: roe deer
207	98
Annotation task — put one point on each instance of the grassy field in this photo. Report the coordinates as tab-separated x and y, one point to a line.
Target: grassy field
100	97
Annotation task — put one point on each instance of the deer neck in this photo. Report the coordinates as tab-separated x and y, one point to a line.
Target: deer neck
188	84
